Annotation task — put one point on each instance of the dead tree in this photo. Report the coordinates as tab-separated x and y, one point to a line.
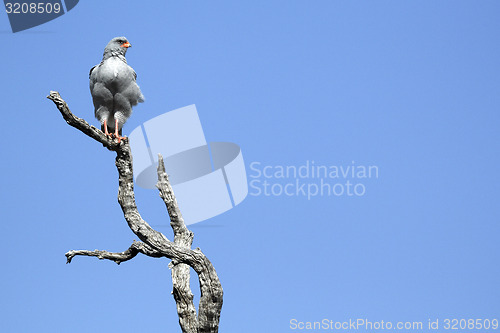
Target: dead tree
154	243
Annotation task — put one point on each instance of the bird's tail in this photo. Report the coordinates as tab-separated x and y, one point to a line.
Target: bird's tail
141	99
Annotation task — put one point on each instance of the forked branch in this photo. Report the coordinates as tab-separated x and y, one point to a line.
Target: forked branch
154	243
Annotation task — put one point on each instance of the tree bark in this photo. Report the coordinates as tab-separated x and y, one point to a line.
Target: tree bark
154	243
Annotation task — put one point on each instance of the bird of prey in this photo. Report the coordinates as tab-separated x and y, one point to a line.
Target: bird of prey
114	89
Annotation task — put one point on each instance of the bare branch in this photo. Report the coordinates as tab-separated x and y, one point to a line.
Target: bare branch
118	257
167	194
183	237
80	123
154	243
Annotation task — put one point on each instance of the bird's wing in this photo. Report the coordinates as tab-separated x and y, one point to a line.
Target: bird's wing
132	91
90	73
91	79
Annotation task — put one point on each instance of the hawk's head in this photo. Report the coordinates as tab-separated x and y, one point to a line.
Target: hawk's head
117	46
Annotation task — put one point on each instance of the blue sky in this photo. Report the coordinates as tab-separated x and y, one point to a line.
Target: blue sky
408	86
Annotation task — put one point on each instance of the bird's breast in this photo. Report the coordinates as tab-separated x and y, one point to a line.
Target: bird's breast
115	74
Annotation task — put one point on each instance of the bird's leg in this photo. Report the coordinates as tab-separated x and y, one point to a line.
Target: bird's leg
105	126
117	135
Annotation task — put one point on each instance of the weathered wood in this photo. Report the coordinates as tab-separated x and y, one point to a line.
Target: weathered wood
154	243
117	257
182	237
